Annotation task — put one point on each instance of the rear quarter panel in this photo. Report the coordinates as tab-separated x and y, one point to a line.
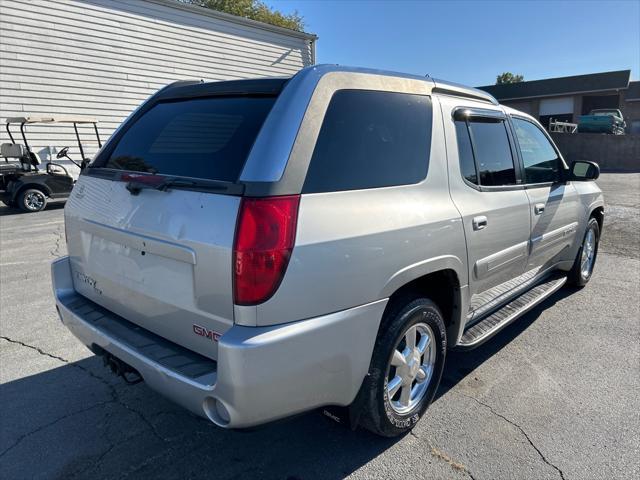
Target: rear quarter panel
356	247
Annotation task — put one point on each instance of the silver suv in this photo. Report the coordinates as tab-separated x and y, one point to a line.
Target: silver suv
254	249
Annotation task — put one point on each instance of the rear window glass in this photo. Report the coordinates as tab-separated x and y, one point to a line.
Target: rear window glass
371	139
207	138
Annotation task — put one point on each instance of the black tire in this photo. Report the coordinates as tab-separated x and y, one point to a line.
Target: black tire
378	415
576	276
27	202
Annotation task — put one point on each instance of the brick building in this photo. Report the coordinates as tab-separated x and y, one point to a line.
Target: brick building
566	98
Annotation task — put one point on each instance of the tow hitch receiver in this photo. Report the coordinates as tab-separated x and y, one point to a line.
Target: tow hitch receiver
117	366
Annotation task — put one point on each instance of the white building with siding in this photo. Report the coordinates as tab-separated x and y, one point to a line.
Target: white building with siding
102	58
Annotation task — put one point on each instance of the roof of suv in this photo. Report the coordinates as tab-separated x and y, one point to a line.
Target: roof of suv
198	88
273	85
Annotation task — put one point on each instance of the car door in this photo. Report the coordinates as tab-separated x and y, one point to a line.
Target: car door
554	203
485	187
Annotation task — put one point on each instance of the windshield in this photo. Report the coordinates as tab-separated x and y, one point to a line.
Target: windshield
206	138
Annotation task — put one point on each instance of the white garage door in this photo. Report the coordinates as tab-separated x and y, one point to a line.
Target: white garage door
556	106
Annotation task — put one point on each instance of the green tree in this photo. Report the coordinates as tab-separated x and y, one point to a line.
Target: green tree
508	77
255	10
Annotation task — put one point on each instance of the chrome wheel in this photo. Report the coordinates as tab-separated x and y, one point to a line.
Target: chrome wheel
34	200
588	254
411	368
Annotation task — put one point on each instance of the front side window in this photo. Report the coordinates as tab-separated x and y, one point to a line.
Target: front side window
206	138
492	152
371	139
541	162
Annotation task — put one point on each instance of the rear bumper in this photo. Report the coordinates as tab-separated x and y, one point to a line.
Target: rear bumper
261	373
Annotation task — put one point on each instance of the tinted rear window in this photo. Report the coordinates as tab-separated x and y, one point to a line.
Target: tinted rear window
492	152
371	139
207	138
465	153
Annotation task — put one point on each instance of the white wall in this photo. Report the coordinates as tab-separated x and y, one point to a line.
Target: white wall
102	58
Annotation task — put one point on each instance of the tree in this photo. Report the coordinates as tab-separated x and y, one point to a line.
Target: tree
255	10
508	77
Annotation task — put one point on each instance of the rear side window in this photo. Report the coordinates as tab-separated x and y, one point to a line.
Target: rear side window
371	139
465	153
485	152
206	138
541	162
492	152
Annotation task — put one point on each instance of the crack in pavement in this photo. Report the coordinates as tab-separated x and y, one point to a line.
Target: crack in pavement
55	251
47	425
79	473
115	396
443	456
542	456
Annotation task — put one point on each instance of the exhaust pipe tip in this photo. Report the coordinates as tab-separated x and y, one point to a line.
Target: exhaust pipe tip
216	411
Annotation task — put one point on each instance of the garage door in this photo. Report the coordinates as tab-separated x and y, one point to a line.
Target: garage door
555	106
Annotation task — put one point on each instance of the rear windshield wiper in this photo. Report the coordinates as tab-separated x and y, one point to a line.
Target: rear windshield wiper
138	182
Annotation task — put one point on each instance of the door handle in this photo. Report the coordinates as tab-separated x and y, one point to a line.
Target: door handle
539	208
479	222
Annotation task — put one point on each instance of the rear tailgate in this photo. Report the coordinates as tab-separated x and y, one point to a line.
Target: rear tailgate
160	254
159	259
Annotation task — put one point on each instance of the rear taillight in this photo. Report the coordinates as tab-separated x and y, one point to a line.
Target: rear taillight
265	235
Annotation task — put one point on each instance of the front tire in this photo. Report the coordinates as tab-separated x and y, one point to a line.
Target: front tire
406	367
32	200
585	261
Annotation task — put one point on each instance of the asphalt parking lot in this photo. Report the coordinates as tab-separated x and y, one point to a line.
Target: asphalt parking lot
556	395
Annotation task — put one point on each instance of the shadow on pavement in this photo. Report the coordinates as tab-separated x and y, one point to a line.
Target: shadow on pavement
459	364
79	421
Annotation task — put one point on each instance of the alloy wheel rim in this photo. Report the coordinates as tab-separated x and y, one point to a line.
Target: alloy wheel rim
410	368
34	200
588	253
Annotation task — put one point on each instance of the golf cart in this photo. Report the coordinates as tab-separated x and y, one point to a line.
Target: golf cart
23	183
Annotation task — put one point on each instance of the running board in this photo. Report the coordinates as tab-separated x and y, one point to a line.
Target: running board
486	328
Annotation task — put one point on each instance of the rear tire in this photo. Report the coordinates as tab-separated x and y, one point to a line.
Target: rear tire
32	200
406	367
585	261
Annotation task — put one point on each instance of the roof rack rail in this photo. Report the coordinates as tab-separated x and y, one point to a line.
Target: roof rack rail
457	90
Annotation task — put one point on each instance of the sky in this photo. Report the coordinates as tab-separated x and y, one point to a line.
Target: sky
471	42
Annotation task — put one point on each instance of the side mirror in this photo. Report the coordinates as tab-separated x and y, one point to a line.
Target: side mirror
582	171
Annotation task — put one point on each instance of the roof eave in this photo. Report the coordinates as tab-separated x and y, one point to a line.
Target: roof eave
235	19
566	94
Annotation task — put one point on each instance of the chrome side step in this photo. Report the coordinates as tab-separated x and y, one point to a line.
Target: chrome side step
486	328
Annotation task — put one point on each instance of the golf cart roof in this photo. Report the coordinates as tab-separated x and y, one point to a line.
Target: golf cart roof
51	119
